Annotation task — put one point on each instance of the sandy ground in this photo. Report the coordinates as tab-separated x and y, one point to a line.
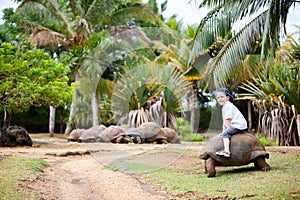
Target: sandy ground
78	171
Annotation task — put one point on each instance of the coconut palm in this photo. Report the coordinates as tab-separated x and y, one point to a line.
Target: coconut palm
72	22
108	52
265	20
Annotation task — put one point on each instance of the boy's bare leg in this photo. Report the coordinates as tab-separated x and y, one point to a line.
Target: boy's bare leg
226	151
226	144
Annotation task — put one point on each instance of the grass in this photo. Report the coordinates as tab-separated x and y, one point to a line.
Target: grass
15	169
46	135
242	182
193	138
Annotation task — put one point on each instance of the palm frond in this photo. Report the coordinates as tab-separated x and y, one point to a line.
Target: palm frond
171	55
146	75
138	12
50	11
48	38
203	37
283	83
135	36
234	51
241	8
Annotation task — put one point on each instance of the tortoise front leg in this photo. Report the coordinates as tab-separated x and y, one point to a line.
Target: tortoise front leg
210	167
261	164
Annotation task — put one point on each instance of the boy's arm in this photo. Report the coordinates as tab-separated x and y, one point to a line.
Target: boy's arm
227	123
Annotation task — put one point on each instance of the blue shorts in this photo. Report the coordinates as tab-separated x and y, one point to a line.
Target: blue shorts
231	131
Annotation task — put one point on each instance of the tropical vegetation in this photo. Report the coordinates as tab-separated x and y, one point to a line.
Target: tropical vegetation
266	21
129	63
245	60
276	98
29	77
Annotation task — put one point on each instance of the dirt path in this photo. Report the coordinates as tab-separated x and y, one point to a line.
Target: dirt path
83	177
77	171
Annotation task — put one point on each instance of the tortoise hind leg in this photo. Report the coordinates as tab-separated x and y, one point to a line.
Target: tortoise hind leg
261	164
210	167
205	168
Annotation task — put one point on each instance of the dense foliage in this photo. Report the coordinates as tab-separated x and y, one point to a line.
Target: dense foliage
29	77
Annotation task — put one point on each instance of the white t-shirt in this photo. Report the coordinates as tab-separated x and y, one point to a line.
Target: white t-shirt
231	111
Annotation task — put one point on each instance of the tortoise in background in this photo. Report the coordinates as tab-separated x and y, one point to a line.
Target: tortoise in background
245	148
114	134
14	136
153	133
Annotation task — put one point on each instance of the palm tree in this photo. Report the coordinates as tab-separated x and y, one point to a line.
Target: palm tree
94	65
265	19
159	84
171	49
72	22
175	55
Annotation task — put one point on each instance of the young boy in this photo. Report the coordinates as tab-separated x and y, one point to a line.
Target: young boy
233	120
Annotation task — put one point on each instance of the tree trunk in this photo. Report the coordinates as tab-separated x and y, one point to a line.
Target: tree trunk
194	113
298	126
7	118
165	118
70	124
51	121
95	108
71	121
249	116
61	120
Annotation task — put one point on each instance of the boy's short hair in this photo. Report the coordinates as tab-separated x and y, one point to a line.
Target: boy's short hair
227	92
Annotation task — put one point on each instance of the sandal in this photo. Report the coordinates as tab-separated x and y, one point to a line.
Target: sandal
223	153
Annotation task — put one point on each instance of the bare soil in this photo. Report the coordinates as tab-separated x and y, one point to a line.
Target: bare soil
81	170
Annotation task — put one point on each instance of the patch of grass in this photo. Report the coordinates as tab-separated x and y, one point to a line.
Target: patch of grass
194	138
281	182
268	142
46	135
133	167
163	150
15	169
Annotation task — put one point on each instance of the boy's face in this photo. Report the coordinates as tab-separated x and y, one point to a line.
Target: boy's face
222	98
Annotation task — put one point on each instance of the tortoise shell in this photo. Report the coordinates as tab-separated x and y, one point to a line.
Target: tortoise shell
244	148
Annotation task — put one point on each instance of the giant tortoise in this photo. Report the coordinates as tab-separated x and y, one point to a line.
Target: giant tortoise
15	136
114	134
153	133
245	148
75	135
92	134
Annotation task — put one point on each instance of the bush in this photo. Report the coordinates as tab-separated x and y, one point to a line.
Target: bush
267	141
185	131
